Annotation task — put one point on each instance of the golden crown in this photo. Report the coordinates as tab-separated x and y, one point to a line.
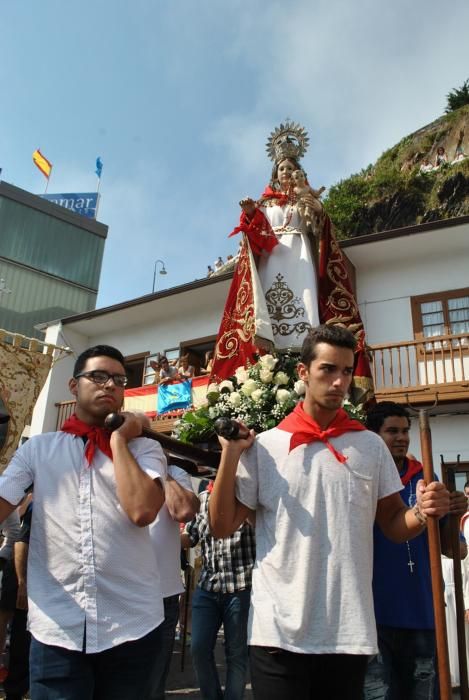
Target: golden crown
289	140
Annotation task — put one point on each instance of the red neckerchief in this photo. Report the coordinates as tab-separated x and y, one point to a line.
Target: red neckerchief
96	436
258	230
306	430
210	486
270	193
413	467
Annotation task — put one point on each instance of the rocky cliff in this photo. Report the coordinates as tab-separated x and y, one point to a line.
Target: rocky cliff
394	192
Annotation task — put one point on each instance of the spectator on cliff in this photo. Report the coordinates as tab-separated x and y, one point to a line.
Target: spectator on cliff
218	263
426	166
209	270
459	155
441	157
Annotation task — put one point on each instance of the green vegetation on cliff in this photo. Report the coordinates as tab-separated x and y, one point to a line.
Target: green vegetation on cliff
394	192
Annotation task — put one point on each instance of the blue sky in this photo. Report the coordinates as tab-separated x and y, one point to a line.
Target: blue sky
179	97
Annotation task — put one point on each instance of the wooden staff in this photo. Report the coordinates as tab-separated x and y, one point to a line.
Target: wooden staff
435	565
450	483
180	449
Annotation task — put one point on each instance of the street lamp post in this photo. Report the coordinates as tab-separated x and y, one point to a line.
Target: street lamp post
162	272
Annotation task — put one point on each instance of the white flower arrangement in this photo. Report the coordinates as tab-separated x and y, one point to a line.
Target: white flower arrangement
255	395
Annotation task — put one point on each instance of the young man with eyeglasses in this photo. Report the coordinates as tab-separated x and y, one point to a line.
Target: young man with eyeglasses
94	602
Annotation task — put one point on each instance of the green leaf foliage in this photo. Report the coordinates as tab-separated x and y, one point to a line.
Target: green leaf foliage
458	97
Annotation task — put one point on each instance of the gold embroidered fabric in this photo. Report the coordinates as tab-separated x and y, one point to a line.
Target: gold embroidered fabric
238	323
23	370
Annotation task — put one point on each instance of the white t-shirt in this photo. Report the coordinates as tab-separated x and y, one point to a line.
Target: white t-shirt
87	562
311	590
164	533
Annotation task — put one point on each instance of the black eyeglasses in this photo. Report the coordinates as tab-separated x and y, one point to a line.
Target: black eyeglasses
100	376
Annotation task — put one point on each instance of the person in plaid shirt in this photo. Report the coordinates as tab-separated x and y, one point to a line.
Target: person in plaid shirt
222	596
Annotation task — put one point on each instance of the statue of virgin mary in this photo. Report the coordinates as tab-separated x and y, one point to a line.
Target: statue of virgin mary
291	274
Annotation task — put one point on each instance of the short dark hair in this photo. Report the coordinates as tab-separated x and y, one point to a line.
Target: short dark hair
466	485
382	410
332	334
97	351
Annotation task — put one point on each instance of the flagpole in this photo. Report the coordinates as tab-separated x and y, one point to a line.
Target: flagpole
97	197
99	170
47	181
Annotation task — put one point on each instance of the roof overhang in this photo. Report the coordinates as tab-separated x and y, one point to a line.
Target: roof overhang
445	238
152	308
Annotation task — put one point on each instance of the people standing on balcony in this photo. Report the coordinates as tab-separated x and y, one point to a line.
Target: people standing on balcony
208	362
93	594
168	373
315	483
156	367
185	370
401	574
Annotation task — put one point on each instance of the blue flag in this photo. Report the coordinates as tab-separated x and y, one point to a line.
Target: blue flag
99	167
173	396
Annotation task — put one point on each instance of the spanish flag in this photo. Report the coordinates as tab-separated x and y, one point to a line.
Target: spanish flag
42	163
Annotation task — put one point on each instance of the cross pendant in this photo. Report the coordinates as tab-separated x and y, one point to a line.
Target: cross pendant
411	565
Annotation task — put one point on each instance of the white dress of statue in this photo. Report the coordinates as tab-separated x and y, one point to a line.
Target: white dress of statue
287	276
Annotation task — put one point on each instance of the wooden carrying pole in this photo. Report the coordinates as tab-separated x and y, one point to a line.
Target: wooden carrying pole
209	460
435	565
450	483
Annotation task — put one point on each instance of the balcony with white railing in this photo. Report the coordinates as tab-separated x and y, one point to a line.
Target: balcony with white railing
422	371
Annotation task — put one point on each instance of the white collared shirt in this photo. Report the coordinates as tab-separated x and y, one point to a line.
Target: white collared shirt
88	563
166	539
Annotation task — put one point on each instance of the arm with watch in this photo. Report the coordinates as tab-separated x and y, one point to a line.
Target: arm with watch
400	523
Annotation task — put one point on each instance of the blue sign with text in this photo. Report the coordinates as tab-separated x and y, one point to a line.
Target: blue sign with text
85	203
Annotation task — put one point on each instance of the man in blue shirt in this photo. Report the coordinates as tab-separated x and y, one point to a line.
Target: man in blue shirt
401	576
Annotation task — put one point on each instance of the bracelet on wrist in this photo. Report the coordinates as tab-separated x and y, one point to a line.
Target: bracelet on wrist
419	515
